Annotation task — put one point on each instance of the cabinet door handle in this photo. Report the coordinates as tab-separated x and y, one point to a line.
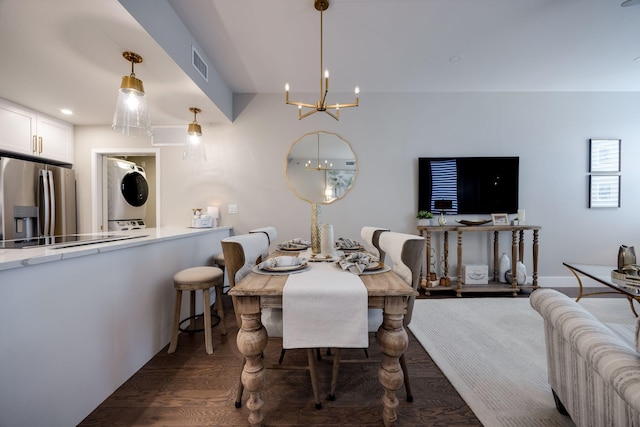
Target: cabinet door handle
40	145
35	144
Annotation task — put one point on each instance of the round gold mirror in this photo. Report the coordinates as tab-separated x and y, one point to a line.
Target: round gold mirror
321	167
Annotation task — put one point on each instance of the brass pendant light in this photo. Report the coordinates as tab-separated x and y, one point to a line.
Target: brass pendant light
132	114
194	146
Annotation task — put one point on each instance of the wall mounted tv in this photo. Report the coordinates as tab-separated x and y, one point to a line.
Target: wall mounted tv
468	185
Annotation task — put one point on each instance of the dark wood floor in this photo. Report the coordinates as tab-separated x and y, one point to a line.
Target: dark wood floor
191	388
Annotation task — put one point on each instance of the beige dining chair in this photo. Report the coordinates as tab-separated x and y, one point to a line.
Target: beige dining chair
371	238
241	254
272	235
404	256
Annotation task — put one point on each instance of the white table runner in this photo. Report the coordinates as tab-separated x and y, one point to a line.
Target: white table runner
324	307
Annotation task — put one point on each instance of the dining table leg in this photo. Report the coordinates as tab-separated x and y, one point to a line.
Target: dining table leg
393	341
252	340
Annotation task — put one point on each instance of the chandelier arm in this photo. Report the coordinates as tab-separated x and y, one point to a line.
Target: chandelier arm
301	104
302	116
335	116
337	106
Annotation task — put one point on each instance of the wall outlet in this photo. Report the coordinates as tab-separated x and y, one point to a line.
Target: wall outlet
233	209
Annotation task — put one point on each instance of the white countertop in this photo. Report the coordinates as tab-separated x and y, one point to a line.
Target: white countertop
16	258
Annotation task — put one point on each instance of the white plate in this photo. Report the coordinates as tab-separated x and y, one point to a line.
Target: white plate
285	268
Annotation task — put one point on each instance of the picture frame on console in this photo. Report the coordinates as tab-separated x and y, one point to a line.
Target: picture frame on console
500	218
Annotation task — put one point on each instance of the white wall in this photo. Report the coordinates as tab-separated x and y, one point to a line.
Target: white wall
388	132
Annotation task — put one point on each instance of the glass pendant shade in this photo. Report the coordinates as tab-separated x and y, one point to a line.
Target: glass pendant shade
132	116
194	146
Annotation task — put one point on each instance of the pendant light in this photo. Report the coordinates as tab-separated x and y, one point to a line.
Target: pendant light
194	147
132	114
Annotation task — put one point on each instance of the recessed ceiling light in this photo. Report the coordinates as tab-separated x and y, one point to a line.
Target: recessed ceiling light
66	111
630	3
455	58
636	59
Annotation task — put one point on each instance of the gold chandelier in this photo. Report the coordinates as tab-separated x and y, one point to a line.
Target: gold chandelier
321	105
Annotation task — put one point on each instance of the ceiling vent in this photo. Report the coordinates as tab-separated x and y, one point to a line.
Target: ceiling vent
168	135
199	64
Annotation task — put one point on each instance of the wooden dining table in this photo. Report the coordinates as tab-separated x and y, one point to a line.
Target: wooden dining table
386	291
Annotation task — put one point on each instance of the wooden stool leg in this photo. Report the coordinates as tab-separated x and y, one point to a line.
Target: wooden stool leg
176	323
192	310
220	309
208	341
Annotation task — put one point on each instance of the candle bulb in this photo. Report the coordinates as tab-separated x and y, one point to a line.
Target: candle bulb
326	80
286	87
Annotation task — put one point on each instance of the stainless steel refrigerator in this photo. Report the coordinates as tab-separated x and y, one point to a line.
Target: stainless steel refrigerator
36	199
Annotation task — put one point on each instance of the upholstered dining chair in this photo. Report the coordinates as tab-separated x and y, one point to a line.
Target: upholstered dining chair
241	254
404	256
272	235
371	238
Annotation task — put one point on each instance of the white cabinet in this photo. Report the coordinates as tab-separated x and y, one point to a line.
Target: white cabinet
27	132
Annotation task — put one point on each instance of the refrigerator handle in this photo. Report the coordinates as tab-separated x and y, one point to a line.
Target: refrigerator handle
52	200
45	192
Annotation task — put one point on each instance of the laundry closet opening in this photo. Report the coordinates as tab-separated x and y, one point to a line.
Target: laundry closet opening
125	190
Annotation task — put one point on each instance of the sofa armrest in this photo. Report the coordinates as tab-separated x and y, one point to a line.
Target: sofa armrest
613	360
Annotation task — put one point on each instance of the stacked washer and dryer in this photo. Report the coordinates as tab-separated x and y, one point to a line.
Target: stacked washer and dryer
128	192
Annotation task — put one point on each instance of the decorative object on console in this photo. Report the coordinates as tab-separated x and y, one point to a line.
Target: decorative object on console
504	265
475	274
132	117
424	218
321	5
500	219
470	222
442	220
194	147
521	274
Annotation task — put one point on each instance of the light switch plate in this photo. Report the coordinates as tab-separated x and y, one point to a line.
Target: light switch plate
233	209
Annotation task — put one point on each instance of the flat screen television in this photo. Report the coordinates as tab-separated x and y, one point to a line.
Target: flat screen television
468	185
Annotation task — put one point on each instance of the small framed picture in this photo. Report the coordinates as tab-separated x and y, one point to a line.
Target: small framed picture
604	191
604	155
500	219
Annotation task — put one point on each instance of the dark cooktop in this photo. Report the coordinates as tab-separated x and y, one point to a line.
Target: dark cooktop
65	241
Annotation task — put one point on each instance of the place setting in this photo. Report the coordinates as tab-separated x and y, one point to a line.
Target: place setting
294	245
362	263
282	265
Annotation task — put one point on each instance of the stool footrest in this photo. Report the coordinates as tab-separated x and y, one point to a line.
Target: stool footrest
215	321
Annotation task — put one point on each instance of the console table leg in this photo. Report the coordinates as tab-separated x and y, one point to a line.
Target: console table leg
514	255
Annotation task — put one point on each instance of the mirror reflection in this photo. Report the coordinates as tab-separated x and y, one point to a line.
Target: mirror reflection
321	167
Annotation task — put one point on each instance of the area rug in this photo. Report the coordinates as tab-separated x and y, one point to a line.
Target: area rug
493	352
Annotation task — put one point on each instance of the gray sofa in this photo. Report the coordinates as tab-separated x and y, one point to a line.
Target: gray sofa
594	373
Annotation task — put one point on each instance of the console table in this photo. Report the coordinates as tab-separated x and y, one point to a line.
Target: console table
517	254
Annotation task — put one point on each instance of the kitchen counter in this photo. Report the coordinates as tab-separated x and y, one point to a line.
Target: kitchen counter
77	322
16	258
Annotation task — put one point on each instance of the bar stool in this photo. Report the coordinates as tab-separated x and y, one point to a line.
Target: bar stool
198	279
